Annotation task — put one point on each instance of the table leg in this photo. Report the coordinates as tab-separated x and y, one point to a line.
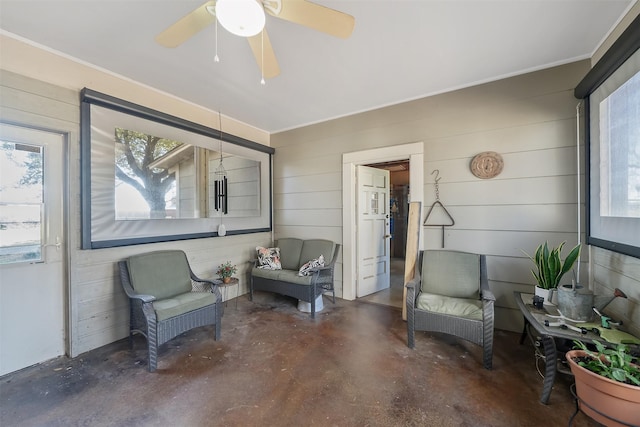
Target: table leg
550	356
524	331
237	293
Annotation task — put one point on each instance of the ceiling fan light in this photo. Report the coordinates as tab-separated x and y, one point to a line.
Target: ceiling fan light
243	18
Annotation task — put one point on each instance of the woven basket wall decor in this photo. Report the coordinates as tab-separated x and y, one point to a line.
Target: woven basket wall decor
487	164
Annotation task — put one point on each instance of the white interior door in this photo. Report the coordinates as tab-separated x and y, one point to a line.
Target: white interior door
373	230
32	254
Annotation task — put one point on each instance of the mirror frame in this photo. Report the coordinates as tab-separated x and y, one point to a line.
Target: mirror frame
203	226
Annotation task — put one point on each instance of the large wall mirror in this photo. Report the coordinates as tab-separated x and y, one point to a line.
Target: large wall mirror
150	177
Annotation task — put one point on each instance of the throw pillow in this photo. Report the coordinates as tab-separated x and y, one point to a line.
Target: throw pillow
197	286
305	270
269	258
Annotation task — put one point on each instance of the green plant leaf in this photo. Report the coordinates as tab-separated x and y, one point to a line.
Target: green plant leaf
571	259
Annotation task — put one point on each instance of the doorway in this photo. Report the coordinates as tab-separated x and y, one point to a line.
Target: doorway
33	292
411	153
398	209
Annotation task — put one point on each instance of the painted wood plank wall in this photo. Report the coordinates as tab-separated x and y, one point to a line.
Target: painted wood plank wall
528	119
98	307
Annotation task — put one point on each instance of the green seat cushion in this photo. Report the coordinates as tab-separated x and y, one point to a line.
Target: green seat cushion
459	307
290	252
265	273
183	303
162	274
451	273
289	276
313	248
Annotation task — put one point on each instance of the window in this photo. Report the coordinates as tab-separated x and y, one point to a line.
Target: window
611	91
620	151
21	202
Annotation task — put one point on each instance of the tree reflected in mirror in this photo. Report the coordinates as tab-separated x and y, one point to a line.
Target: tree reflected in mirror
148	165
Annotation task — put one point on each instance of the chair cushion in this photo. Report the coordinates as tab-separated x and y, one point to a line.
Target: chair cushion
183	303
451	273
162	274
459	307
290	253
290	276
313	248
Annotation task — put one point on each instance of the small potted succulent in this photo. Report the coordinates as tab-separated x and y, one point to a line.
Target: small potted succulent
226	271
607	383
550	268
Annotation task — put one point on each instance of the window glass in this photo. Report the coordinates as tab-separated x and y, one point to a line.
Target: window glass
620	151
21	202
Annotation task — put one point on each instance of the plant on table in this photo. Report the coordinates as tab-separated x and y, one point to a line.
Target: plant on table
549	267
226	270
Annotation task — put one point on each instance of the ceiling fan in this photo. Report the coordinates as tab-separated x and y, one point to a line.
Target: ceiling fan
301	12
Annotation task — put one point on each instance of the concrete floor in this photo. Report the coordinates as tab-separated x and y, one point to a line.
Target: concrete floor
274	366
393	295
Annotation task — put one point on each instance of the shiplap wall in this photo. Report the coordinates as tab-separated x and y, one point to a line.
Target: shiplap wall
529	119
98	308
610	270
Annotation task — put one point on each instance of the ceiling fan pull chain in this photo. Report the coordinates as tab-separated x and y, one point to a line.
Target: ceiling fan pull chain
262	82
216	58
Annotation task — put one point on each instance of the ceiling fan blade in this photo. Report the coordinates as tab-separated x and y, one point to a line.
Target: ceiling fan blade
314	16
186	27
270	68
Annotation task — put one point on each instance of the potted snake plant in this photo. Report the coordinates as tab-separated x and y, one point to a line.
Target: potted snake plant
549	268
607	383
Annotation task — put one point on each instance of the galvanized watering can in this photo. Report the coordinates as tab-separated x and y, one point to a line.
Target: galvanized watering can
576	302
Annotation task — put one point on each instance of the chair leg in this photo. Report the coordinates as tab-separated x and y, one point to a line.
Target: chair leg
488	356
218	321
152	347
313	305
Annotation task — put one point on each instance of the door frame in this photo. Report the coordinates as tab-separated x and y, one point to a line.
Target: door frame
412	151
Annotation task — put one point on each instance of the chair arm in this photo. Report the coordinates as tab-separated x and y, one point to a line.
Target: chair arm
214	288
128	289
413	289
487	295
318	269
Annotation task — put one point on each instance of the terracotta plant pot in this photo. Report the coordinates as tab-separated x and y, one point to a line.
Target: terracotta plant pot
226	279
604	400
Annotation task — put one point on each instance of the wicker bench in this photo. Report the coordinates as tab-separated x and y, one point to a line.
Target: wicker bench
163	304
294	253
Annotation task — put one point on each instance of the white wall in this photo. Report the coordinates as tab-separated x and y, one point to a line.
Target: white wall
529	119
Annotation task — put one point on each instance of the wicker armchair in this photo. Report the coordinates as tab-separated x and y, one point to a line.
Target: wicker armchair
450	294
167	299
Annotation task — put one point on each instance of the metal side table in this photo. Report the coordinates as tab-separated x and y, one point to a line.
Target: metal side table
546	337
225	288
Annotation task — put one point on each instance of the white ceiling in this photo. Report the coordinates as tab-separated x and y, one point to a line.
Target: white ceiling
399	50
